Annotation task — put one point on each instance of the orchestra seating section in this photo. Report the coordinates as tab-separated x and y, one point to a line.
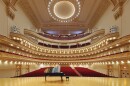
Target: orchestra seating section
68	71
89	73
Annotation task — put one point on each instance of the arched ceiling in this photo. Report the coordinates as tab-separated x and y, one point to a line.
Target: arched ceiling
91	11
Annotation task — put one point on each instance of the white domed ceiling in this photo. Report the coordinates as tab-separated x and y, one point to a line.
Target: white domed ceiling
63	15
64	9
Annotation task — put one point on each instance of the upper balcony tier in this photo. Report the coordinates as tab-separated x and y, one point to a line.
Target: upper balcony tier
76	39
64	36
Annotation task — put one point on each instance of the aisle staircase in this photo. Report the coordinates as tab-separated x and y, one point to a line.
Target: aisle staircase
77	72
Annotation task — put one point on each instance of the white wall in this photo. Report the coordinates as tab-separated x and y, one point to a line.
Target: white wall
20	20
126	19
99	68
116	70
9	70
102	68
3	19
107	20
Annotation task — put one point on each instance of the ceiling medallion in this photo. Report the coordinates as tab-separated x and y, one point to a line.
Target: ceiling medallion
64	10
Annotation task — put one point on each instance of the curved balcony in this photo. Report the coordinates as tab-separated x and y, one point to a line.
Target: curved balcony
104	51
28	42
36	35
64	46
64	37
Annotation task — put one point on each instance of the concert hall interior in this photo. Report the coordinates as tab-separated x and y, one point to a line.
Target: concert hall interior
64	42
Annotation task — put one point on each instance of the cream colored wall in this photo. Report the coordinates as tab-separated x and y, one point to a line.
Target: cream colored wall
116	70
20	20
9	70
99	68
34	67
107	20
31	68
102	68
3	19
129	68
126	19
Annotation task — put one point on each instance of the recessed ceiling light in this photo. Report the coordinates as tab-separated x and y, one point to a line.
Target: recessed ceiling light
11	45
117	44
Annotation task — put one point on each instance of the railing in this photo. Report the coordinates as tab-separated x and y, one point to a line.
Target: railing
64	37
34	34
64	46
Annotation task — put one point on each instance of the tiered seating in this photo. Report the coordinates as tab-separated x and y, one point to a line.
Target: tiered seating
89	73
64	37
68	71
63	47
35	73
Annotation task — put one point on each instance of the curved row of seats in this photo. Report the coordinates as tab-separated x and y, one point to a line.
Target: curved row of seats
68	71
89	73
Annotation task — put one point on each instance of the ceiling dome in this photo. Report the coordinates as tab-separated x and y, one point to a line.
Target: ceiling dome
64	9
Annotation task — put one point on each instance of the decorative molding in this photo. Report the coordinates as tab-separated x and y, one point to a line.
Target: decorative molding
104	4
10	7
85	57
14	29
118	7
34	34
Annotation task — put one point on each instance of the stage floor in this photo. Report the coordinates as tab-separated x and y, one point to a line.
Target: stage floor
74	81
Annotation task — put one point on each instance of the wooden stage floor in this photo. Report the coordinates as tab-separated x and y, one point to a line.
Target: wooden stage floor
74	81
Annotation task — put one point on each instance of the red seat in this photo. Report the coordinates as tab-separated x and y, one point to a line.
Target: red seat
68	71
90	73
